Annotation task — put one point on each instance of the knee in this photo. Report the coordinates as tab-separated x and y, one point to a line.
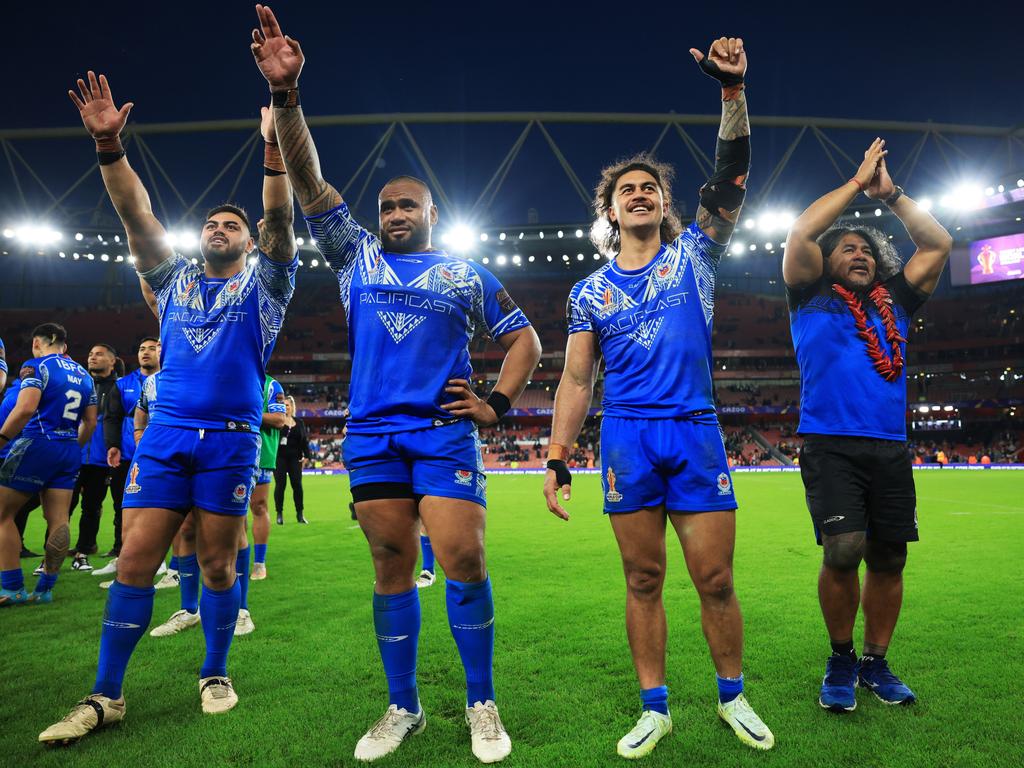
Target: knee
218	570
466	565
645	581
258	508
715	584
885	556
844	551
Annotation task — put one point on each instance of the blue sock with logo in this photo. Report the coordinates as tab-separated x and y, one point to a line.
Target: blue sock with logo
46	582
396	620
13	579
242	571
655	699
428	553
259	553
471	619
729	688
125	620
219	610
174	563
188	583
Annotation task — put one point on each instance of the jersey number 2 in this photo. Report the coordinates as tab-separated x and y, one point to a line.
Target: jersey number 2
74	400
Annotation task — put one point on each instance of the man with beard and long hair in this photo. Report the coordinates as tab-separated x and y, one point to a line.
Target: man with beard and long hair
218	325
412	448
648	312
851	301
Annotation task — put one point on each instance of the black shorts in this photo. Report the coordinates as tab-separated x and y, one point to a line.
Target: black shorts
859	484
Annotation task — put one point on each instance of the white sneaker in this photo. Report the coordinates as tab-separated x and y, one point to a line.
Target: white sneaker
108	569
739	715
106	584
490	739
387	734
258	572
244	625
162	569
179	621
170	579
217	695
425	579
645	735
91	713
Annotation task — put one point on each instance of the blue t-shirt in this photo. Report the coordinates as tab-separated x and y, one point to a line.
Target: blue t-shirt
3	357
216	337
411	317
130	387
66	391
6	406
653	326
841	393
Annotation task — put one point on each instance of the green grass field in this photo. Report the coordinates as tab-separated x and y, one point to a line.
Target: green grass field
310	679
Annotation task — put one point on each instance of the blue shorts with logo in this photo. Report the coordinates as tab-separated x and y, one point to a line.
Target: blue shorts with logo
680	463
35	464
439	461
264	475
180	468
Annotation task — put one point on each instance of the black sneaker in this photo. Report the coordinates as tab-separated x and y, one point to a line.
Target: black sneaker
81	563
280	519
300	519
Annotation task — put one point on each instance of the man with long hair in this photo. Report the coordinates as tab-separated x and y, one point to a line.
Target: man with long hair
648	312
851	301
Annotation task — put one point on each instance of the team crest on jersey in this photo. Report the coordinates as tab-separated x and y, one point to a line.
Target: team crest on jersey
400	324
199	338
464	476
724	484
646	332
613	495
133	484
238	495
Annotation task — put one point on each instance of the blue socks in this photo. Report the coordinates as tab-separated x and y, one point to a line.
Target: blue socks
188	582
174	563
13	579
219	610
259	553
729	688
471	618
396	620
46	582
428	553
242	570
125	621
655	699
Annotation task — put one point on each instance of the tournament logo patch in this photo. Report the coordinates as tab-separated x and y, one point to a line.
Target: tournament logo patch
613	495
133	476
464	476
238	495
724	484
505	302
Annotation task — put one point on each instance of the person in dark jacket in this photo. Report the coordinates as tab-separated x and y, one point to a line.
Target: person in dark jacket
292	455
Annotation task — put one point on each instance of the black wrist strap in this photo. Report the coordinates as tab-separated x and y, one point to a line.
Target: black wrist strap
109	158
5	437
285	99
562	474
897	193
711	69
499	403
271	172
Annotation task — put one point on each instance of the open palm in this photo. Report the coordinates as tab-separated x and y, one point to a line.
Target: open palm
96	107
279	57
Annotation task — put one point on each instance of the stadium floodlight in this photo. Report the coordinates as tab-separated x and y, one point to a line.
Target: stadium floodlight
786	219
521	235
565	257
878	211
923	409
560	233
856	214
37	235
549	257
171	239
597	257
579	233
131	260
517	259
300	241
737	249
541	234
301	263
749	223
75	256
935	408
964	197
9	233
187	239
78	235
460	238
486	260
766	222
925	203
195	261
483	237
104	257
579	257
947	408
501	260
314	263
62	255
753	246
530	259
1020	182
502	237
117	238
119	258
1000	189
990	191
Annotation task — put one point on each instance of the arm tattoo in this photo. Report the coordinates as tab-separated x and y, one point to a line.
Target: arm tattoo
718	227
277	238
734	118
300	158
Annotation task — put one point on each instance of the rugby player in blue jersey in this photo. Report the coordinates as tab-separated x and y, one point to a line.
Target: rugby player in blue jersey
851	300
412	448
53	418
648	312
3	366
218	325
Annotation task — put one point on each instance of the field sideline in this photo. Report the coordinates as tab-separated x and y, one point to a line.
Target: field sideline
310	679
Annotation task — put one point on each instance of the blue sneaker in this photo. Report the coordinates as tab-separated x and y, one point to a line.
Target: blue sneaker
876	675
839	684
13	597
40	598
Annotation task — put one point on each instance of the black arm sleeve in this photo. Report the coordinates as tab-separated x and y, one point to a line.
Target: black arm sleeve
113	418
904	294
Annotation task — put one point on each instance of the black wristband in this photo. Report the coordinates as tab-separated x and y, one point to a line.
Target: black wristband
562	474
897	193
285	99
5	437
499	403
711	69
272	172
108	158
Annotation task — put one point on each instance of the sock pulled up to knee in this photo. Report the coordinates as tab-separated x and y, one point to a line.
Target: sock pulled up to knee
396	620
188	582
428	553
125	620
242	572
259	553
219	609
471	619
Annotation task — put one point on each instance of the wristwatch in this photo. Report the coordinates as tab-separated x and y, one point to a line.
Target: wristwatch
896	195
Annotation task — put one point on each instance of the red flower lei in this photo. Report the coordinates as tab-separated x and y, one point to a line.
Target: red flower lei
889	368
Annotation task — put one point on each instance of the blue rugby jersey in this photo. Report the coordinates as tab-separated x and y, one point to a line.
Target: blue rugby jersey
410	317
6	406
3	357
841	393
216	337
273	406
66	390
147	398
653	326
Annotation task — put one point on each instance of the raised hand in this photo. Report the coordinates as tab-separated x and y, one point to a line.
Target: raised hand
873	156
267	125
278	56
726	60
881	186
96	107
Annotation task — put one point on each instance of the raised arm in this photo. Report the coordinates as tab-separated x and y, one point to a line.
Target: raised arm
104	122
572	404
802	261
280	60
932	240
722	196
277	236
